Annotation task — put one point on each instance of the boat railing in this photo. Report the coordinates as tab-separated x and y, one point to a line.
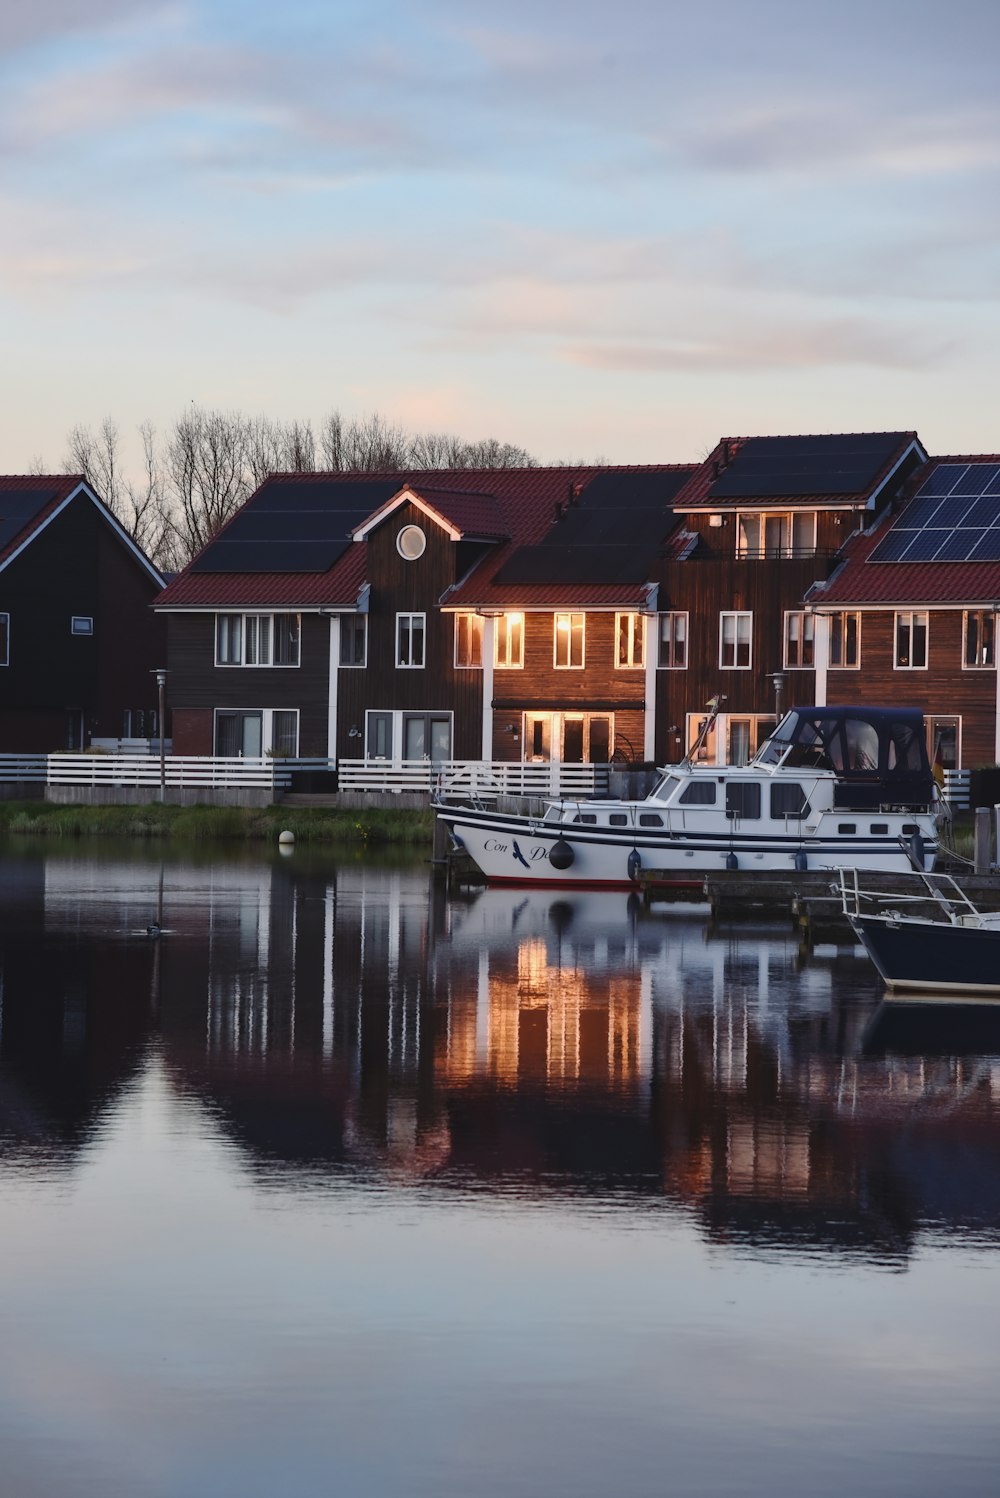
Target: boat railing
906	891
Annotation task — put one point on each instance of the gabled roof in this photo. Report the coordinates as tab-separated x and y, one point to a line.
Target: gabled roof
466	515
255	563
859	580
833	468
30	502
599	548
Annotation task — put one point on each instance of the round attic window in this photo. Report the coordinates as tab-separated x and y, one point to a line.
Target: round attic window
411	542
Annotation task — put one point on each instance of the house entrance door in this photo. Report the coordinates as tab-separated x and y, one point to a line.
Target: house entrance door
240	734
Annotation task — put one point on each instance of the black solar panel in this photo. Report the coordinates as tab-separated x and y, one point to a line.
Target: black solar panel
772	467
293	526
608	533
952	518
17	506
270	556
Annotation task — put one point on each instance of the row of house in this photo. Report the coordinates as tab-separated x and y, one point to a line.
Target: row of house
579	614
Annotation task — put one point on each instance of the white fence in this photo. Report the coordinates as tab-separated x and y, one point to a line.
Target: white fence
179	770
451	778
463	777
957	789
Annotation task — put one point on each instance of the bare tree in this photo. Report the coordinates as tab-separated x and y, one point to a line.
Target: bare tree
138	505
207	467
279	447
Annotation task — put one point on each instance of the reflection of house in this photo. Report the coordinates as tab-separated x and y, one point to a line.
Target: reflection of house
78	642
916	601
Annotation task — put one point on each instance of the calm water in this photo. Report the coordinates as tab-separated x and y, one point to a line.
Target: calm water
341	1187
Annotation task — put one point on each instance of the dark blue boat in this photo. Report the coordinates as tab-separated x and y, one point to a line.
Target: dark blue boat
933	940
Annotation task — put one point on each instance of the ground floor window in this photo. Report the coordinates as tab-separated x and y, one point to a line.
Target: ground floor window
404	735
572	738
250	733
731	739
944	744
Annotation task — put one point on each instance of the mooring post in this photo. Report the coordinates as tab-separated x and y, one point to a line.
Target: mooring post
984	840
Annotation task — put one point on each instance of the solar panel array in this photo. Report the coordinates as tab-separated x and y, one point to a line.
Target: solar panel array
608	534
295	527
778	467
954	517
17	507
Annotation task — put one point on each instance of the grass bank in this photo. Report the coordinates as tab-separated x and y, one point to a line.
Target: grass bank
377	827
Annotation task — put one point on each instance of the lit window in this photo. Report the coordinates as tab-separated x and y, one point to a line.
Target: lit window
673	641
799	639
468	641
979	641
734	640
508	650
410	632
845	640
911	642
630	631
792	534
569	641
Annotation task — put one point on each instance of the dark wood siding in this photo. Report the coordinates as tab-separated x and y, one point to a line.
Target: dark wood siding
196	682
943	689
705	587
77	565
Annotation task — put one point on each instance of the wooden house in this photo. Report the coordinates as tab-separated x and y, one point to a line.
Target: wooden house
760	522
910	615
79	645
451	614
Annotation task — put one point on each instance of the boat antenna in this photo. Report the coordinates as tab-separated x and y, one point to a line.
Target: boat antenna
714	705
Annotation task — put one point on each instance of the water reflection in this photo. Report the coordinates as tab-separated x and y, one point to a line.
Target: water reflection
353	1024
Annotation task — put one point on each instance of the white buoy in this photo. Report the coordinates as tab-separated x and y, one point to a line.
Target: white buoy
286	839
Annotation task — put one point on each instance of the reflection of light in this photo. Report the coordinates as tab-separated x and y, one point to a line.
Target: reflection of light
545	1021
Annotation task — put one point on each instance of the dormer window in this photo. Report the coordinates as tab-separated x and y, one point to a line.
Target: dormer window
791	533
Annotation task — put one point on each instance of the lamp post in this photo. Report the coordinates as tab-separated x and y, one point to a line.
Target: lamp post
161	692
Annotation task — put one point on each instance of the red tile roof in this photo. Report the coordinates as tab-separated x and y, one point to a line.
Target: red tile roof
524	498
52	490
859	581
695	494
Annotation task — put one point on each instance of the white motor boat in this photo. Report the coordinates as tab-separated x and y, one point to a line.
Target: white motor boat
833	787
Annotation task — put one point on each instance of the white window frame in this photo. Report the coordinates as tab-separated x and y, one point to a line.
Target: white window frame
786	548
983	615
738	616
353	623
575	629
4	639
407	621
509	631
469	621
81	624
843	615
669	646
913	619
634	626
250	628
802	624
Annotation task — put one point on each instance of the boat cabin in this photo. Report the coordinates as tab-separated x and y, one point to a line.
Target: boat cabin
878	754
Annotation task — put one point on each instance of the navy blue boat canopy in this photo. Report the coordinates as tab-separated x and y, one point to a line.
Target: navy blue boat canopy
880	751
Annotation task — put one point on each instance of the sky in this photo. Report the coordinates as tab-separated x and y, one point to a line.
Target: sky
611	231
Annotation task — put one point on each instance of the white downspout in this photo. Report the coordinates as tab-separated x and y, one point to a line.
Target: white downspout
331	719
821	656
489	634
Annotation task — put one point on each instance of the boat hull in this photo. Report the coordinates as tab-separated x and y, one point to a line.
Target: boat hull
932	957
512	849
